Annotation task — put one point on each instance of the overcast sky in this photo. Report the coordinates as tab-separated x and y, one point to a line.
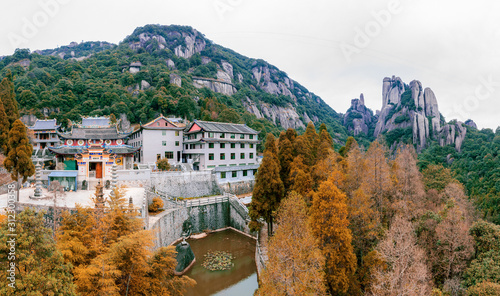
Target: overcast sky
336	49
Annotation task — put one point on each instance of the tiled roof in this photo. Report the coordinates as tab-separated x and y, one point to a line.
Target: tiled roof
94	133
223	127
95	122
50	124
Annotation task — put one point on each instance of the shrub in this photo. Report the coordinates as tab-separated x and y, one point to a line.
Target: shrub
156	205
162	164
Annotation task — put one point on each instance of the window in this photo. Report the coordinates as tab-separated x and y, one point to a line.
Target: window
158	156
210	145
176	143
222	135
223	175
242	155
211	135
234	174
233	145
250	155
211	156
233	136
222	145
242	136
169	154
245	173
166	123
187	146
157	124
251	137
163	133
210	166
164	143
192	146
254	172
233	155
242	146
176	133
251	145
222	156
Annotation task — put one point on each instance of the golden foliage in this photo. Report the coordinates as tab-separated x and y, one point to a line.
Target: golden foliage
328	216
295	265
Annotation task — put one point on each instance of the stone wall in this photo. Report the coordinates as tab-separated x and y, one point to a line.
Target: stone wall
185	184
204	215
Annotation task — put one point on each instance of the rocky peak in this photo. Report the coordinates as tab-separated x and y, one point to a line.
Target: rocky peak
471	123
358	118
412	111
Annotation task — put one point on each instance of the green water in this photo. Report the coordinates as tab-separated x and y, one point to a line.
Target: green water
240	280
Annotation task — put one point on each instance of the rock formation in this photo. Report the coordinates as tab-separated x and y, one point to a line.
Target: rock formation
175	79
286	116
359	119
410	107
216	85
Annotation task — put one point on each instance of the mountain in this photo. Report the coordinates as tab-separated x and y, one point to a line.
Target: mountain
409	114
171	70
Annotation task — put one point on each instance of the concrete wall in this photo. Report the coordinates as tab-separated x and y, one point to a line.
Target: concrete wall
167	227
185	184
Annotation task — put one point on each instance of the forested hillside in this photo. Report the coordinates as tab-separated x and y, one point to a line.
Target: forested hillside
172	70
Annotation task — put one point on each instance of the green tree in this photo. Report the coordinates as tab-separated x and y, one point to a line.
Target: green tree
4	129
40	267
18	161
268	190
8	98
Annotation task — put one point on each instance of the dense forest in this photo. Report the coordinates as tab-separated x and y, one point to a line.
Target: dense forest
371	223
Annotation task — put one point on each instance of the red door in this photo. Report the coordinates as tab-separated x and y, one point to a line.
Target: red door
98	170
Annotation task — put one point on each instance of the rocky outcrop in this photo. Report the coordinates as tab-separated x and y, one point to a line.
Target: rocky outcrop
453	134
194	43
286	117
358	118
145	85
215	85
228	68
471	123
170	64
269	81
175	79
412	106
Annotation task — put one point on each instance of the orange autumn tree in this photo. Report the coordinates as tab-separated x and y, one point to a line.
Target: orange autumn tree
295	264
328	216
268	190
111	253
285	157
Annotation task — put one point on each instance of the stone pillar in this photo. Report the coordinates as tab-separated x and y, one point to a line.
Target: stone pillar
38	176
114	176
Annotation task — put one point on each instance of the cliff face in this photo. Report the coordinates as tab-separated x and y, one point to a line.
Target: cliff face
410	110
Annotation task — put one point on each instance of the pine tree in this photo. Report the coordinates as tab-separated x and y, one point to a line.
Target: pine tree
8	98
40	266
268	190
18	161
285	157
4	129
307	144
325	145
328	216
295	264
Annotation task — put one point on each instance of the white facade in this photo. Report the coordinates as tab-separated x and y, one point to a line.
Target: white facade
159	138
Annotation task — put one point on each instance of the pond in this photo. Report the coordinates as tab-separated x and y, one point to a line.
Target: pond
240	280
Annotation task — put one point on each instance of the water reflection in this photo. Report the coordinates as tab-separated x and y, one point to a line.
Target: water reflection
240	280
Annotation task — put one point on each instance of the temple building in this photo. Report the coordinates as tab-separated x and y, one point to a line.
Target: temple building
92	147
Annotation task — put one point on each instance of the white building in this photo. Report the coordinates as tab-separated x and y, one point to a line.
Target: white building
210	145
159	138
